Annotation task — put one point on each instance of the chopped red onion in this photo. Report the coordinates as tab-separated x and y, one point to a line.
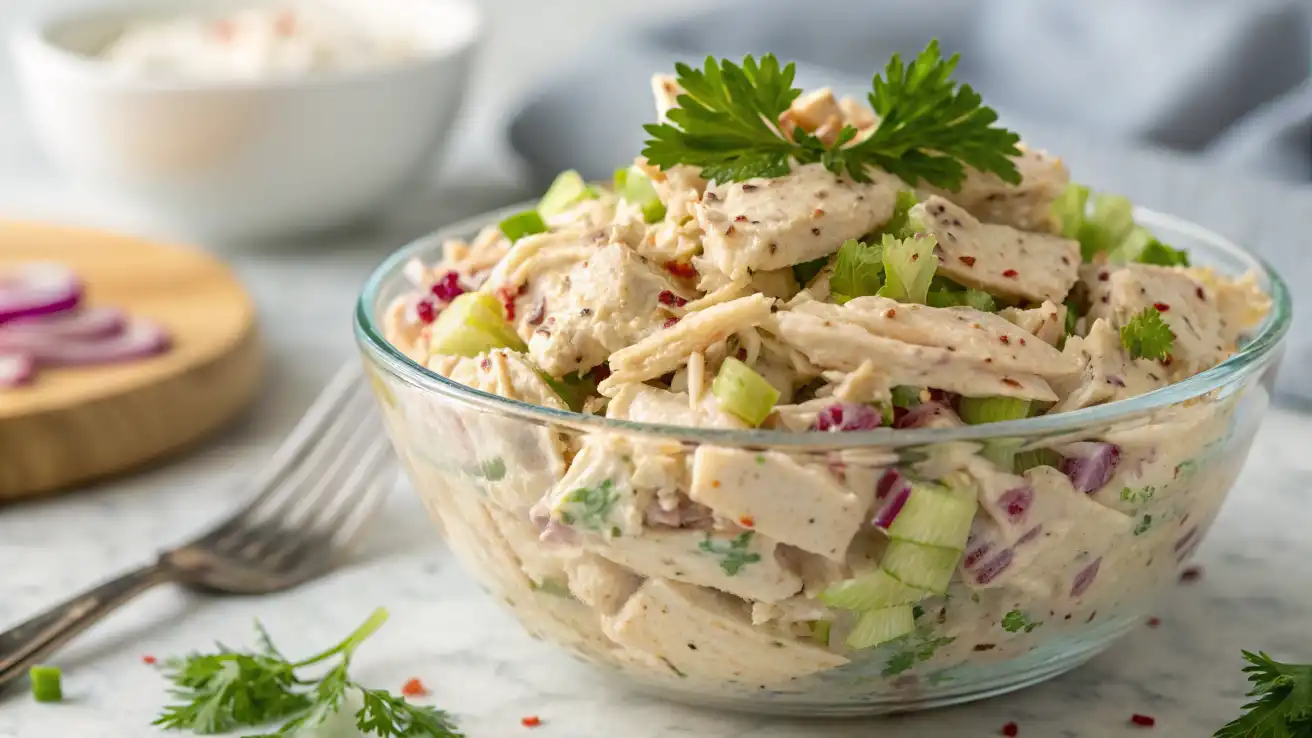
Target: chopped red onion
687	514
447	287
847	416
38	289
1016	502
890	480
1089	464
975	551
896	501
994	566
920	415
1030	535
16	369
1084	579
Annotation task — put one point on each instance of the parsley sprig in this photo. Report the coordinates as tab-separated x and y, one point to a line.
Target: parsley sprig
930	127
1147	336
223	691
1283	704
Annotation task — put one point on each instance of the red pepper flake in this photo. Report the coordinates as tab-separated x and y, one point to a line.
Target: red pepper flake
1010	274
669	298
1192	574
426	312
818	212
149	660
669	322
747	521
970	262
1006	340
1153	622
1161	307
740	219
1011	730
1146	721
1022	342
681	269
1103	276
507	295
715	483
1201	295
532	721
890	313
414	688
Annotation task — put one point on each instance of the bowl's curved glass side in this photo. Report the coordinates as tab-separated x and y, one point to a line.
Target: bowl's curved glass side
707	616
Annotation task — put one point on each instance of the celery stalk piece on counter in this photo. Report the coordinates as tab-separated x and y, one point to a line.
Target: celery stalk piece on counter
743	392
980	410
909	266
568	189
522	224
635	186
472	324
876	627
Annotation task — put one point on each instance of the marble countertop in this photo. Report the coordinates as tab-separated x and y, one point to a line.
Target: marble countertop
1186	673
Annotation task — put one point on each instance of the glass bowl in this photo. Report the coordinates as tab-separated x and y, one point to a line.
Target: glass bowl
724	617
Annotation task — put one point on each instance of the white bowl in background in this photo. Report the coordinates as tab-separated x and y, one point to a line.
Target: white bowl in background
240	158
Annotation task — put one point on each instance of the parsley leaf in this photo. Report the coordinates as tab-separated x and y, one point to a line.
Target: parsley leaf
1143	525
1016	621
858	271
1283	704
726	123
589	506
1147	336
909	266
734	552
930	128
920	647
223	691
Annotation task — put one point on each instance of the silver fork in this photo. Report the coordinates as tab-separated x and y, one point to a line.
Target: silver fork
314	496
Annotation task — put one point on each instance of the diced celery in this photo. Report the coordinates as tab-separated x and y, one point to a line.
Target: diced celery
1109	224
522	224
47	684
472	324
820	631
934	516
924	567
568	189
870	591
1156	252
1026	460
1070	208
900	225
877	627
909	266
635	186
980	410
573	389
858	271
743	392
1131	246
904	396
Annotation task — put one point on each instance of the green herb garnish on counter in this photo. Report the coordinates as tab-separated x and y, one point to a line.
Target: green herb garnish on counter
1283	704
227	690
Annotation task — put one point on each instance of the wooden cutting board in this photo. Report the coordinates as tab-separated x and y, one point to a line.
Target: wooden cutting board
74	425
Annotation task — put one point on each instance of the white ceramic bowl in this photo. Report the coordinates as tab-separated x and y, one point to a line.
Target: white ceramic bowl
246	159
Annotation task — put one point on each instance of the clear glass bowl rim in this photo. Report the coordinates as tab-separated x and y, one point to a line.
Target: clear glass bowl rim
1253	356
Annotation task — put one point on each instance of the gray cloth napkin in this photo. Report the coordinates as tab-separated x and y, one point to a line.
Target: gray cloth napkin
1109	84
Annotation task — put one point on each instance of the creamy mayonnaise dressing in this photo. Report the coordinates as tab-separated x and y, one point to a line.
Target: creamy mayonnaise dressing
256	42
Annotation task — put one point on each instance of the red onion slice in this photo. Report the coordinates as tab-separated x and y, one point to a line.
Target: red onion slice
139	339
1089	464
889	481
847	416
16	369
98	322
1016	502
1084	579
896	501
994	566
920	415
38	289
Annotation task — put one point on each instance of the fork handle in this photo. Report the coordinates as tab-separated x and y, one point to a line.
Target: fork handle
32	641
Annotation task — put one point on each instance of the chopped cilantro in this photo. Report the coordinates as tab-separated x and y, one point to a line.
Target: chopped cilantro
1147	336
1143	525
1138	495
918	648
1016	621
734	552
589	506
